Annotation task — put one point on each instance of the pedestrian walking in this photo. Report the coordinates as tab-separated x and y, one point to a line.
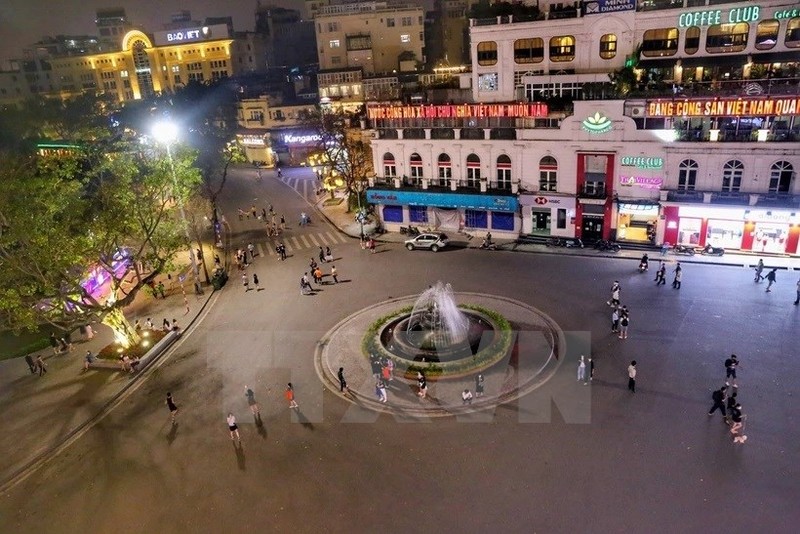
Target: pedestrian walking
375	365
149	324
632	377
479	385
283	222
380	389
88	359
582	370
422	385
328	254
676	282
40	365
797	299
730	404
334	274
321	255
624	321
290	396
615	320
255	282
89	332
615	290
160	289
54	343
466	396
737	424
730	370
371	245
386	373
771	278
245	282
251	401
759	270
591	369
173	408
342	382
718	397
318	275
31	364
252	250
233	427
661	274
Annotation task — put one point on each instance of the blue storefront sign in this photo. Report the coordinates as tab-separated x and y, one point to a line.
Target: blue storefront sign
598	7
443	200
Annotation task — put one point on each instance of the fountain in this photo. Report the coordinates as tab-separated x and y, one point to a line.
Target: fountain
437	330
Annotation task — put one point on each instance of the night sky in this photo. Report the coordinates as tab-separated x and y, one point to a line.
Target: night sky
23	22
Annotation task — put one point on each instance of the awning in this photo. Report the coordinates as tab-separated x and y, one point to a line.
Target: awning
476	201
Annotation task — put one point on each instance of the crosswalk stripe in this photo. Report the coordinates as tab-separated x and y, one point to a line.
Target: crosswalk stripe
313	240
297	245
305	241
337	237
260	249
305	188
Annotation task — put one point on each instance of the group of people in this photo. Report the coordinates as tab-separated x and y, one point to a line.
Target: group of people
661	273
620	315
728	403
316	272
383	373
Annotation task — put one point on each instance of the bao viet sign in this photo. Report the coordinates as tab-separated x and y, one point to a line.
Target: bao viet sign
598	7
711	17
531	110
190	35
645	182
642	162
724	107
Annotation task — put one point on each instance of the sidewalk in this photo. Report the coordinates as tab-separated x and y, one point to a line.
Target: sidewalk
346	223
38	413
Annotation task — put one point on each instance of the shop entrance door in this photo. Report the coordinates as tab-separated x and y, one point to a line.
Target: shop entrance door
591	229
541	222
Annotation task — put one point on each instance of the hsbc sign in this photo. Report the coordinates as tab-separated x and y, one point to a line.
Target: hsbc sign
544	200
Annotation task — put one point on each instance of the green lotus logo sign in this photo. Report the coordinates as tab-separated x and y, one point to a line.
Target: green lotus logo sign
597	123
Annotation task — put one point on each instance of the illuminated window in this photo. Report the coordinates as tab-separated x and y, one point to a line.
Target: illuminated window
415	163
334	43
660	42
548	174
608	46
767	34
487	53
528	50
724	38
473	170
503	172
389	166
792	39
692	42
487	82
687	175
405	38
562	48
445	169
732	176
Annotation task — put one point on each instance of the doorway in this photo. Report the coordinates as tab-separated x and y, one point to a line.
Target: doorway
541	222
591	228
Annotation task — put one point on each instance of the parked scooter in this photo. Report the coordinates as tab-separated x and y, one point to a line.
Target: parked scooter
683	249
709	250
404	230
606	245
488	245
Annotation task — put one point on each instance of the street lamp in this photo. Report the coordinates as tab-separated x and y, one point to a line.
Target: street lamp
166	133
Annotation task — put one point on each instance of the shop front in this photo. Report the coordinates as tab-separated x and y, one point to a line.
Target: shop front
293	146
637	221
760	230
447	212
548	215
256	147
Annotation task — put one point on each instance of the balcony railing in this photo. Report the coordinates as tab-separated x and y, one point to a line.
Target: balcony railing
736	198
596	190
442	184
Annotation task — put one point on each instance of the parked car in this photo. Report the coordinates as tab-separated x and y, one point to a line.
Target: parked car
429	241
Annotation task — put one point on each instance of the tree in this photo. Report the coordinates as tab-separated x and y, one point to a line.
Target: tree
346	159
62	234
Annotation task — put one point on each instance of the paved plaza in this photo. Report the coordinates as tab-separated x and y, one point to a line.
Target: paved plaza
566	457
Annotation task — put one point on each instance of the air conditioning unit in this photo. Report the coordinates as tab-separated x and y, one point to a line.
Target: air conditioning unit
375	134
636	111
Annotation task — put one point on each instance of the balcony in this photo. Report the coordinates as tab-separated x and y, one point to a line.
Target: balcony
443	185
733	198
595	190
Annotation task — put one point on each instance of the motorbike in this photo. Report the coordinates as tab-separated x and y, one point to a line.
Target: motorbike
566	242
488	245
709	250
413	231
606	245
404	230
643	266
683	249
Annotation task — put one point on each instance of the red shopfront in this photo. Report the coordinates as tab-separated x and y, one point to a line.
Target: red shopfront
595	184
761	230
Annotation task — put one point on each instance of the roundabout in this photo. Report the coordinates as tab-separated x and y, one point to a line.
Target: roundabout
449	337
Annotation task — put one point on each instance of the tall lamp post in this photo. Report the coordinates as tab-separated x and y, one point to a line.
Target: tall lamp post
167	133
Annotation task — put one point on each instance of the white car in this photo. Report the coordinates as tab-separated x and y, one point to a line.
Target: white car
427	241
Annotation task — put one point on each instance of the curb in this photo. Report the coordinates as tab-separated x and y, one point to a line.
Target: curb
45	455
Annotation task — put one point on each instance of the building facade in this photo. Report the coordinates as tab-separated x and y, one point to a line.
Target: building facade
598	173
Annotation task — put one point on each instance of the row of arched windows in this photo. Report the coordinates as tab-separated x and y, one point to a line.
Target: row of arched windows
548	170
780	176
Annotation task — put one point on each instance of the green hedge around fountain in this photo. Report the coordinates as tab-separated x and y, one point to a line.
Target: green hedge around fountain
482	360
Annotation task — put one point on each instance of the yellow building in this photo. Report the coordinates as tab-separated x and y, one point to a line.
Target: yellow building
372	36
272	132
147	65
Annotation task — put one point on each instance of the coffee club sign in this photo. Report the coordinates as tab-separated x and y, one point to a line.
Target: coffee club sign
712	17
642	162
